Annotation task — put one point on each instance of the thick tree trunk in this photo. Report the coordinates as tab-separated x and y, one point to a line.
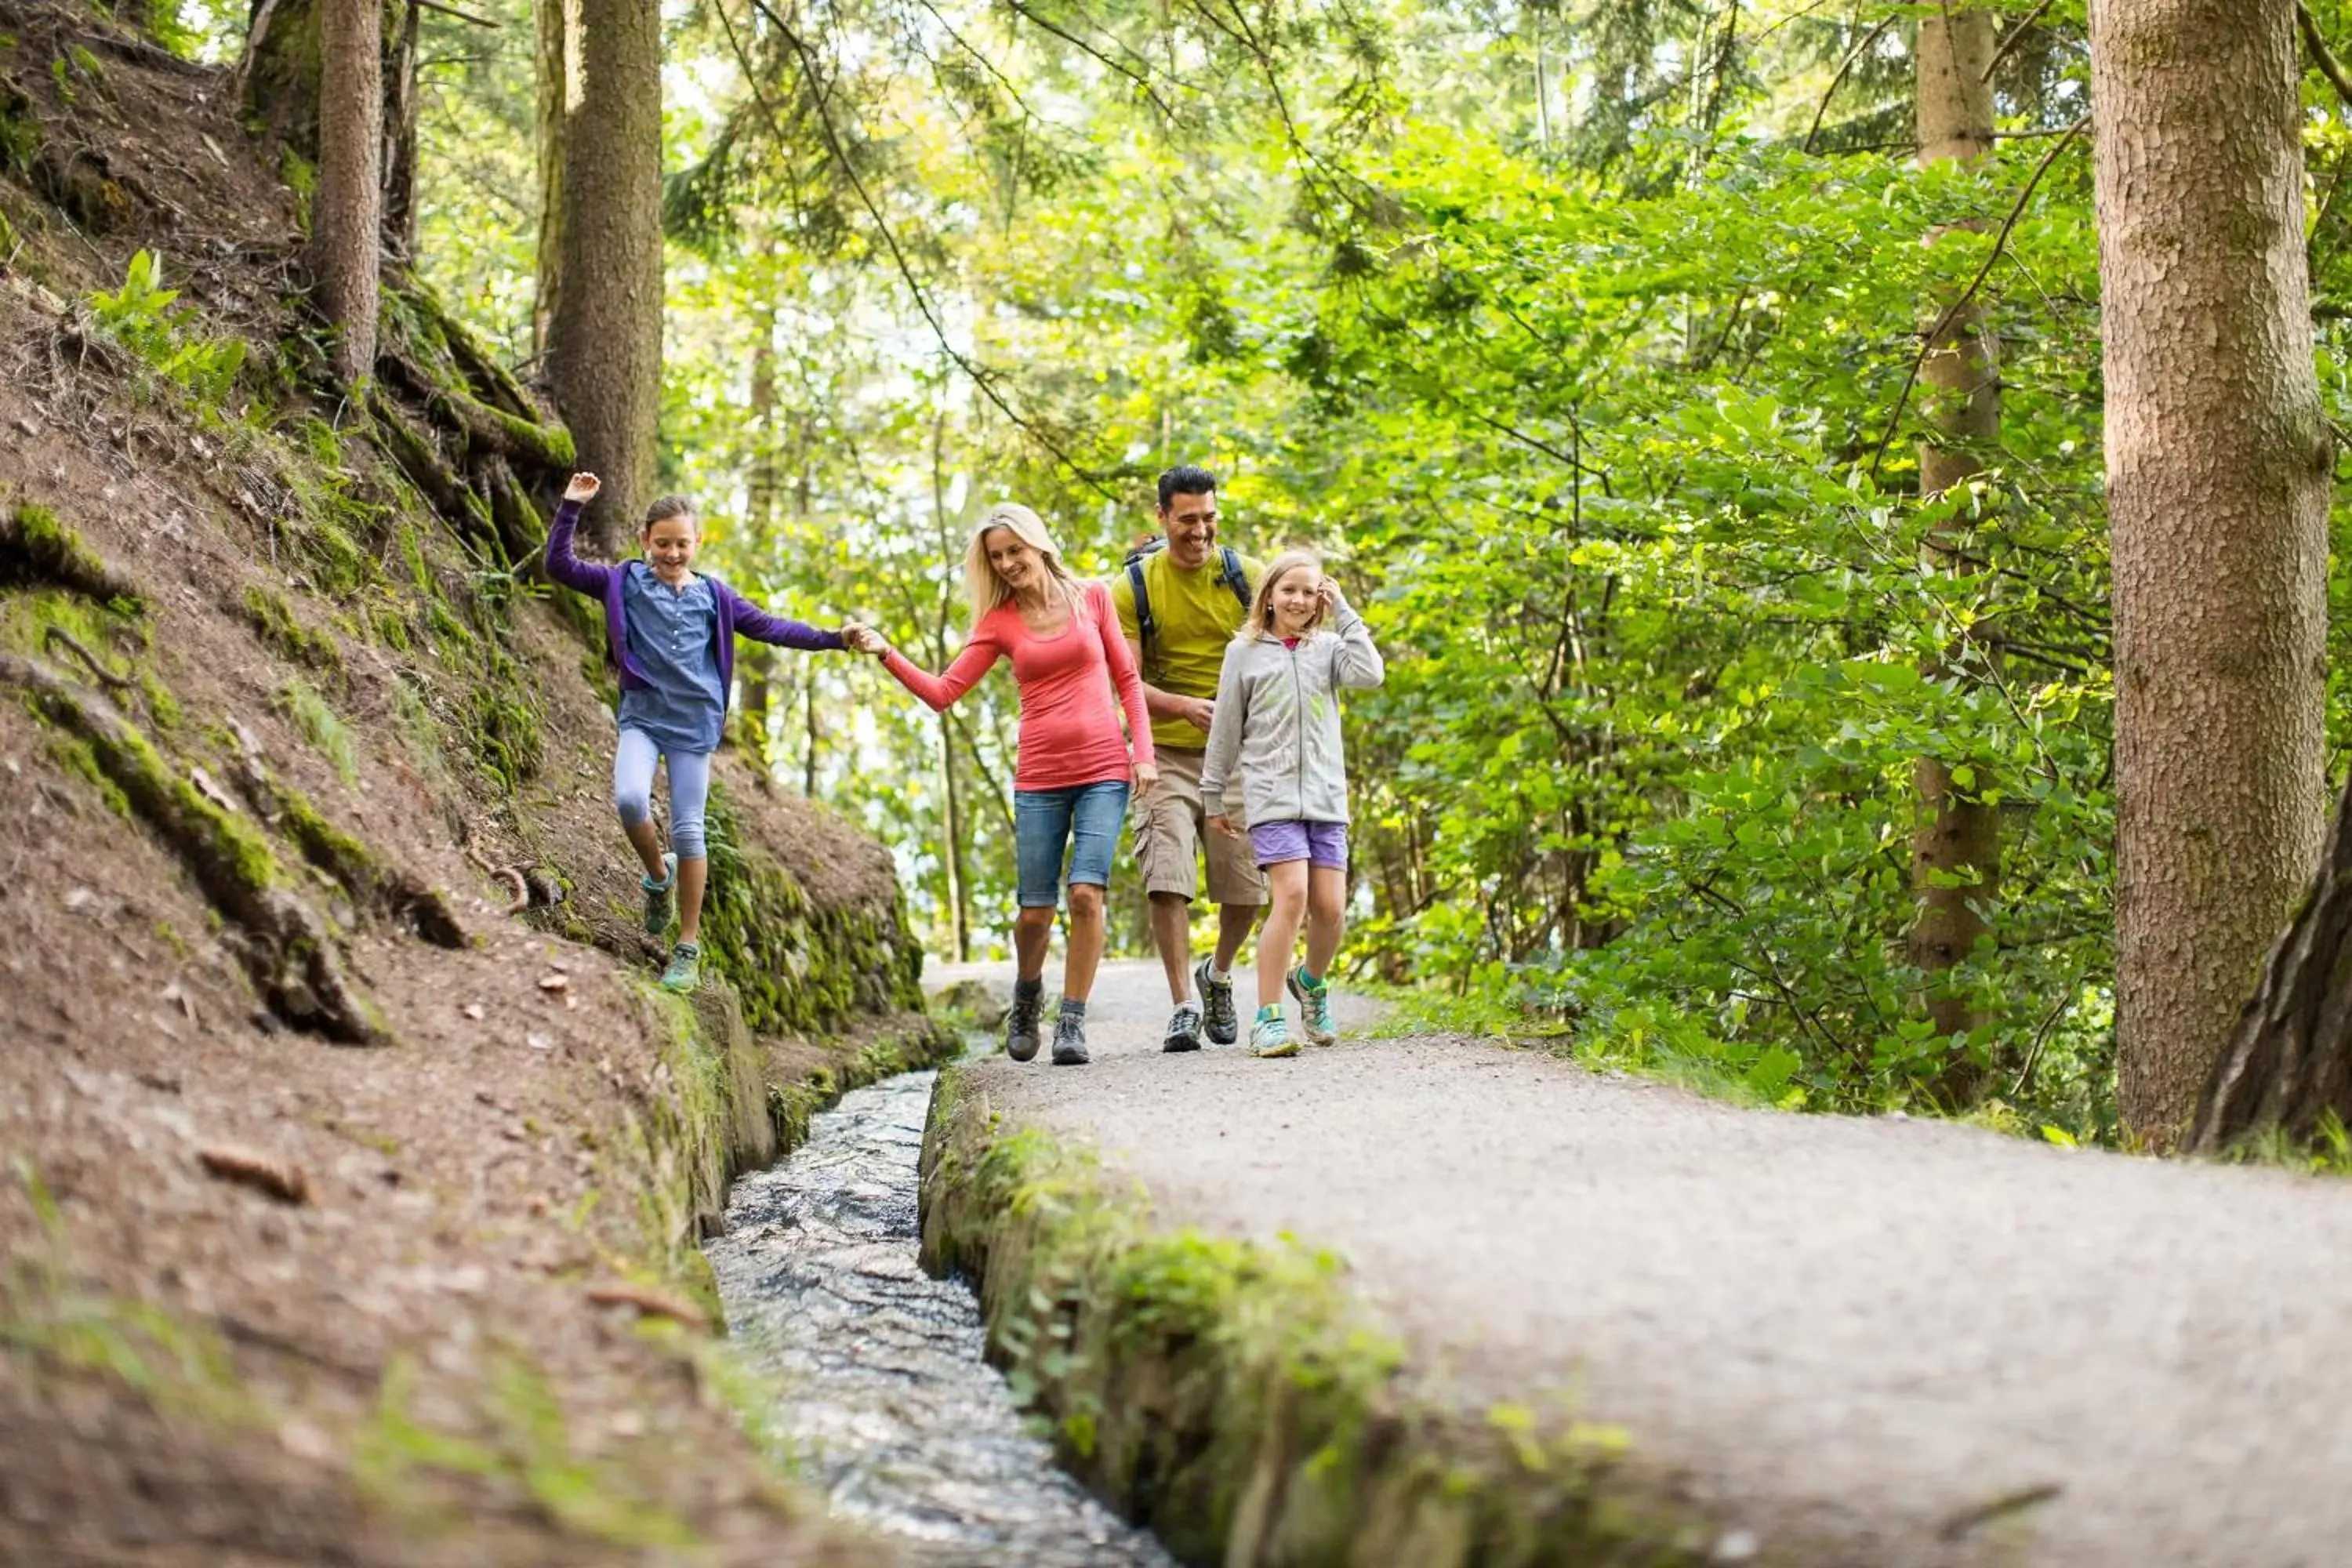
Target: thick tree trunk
2289	1060
603	347
1955	846
2216	480
557	27
347	245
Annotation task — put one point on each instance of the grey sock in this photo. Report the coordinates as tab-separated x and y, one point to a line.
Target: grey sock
1073	1008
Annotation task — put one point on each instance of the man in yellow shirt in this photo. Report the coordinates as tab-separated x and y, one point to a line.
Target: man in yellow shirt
1194	595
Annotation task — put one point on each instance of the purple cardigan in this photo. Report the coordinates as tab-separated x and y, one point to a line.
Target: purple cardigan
736	614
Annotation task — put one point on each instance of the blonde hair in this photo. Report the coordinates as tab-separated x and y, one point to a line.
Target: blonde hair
982	587
1260	621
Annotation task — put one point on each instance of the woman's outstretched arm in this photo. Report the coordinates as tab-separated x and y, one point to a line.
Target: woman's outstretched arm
942	692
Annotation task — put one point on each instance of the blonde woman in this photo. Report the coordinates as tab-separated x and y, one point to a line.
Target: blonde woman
1071	780
1277	722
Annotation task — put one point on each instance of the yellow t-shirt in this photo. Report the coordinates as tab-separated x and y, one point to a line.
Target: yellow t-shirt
1194	616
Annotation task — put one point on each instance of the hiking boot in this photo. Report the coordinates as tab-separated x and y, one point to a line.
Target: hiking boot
1270	1037
660	896
1021	1024
1183	1030
1070	1040
1314	1005
685	971
1217	1005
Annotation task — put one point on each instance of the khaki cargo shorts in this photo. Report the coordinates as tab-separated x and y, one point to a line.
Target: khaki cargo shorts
1171	829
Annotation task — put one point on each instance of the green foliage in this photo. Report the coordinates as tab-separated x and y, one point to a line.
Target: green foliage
140	316
320	724
275	623
1583	341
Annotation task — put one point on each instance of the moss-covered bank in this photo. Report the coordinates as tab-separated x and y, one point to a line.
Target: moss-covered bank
1237	1400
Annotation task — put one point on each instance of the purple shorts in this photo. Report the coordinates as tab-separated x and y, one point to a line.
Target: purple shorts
1317	843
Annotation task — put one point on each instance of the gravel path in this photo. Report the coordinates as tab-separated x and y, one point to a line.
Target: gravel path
1877	1341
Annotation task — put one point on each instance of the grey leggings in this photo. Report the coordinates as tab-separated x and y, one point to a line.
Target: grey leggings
689	789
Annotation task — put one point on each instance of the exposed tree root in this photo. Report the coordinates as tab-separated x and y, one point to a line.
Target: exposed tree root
2288	1063
290	950
512	876
37	551
543	445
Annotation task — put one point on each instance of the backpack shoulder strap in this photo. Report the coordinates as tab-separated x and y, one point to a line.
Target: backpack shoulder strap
1144	628
1233	576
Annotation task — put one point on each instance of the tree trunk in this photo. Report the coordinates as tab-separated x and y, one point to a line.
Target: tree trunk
400	138
759	661
2218	487
959	900
603	348
347	246
557	27
1956	845
809	721
2289	1060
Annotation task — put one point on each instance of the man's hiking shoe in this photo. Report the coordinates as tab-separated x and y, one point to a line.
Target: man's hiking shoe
1271	1038
1314	1007
685	971
1183	1030
1069	1041
660	896
1217	1005
1021	1024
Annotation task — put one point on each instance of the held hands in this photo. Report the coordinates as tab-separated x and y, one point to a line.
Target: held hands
864	639
583	487
1222	823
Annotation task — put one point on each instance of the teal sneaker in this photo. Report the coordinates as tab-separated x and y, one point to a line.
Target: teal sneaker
1314	1005
685	971
660	896
1270	1037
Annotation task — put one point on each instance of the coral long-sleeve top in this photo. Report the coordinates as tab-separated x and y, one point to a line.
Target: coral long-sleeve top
1069	732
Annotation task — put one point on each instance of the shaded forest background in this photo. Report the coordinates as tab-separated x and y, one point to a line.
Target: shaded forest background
1704	398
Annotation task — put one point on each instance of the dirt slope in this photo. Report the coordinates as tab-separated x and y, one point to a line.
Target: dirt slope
271	733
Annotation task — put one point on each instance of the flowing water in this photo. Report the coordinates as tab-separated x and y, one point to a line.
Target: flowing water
888	1403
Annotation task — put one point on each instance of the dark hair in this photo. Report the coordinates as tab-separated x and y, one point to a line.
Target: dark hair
663	509
1185	479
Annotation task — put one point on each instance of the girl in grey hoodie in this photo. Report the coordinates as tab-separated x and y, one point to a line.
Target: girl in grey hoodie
1276	734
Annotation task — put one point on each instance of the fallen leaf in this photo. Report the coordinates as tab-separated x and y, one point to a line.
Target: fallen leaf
281	1179
475	1011
555	982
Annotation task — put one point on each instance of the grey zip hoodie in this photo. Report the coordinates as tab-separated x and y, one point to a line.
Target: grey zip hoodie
1277	722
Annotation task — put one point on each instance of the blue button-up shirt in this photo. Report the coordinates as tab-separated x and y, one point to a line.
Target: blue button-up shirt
673	633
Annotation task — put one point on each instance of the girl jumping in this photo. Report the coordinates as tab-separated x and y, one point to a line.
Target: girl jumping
1277	722
672	632
1073	766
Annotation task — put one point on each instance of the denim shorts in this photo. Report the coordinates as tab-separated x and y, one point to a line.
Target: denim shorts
1084	819
1317	843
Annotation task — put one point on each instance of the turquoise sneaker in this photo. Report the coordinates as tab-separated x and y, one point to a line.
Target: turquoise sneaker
685	971
1270	1037
661	899
1314	1005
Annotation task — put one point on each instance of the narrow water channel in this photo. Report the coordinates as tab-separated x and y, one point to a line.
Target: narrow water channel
887	1401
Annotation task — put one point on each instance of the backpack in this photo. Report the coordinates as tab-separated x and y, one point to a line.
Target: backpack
1229	573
